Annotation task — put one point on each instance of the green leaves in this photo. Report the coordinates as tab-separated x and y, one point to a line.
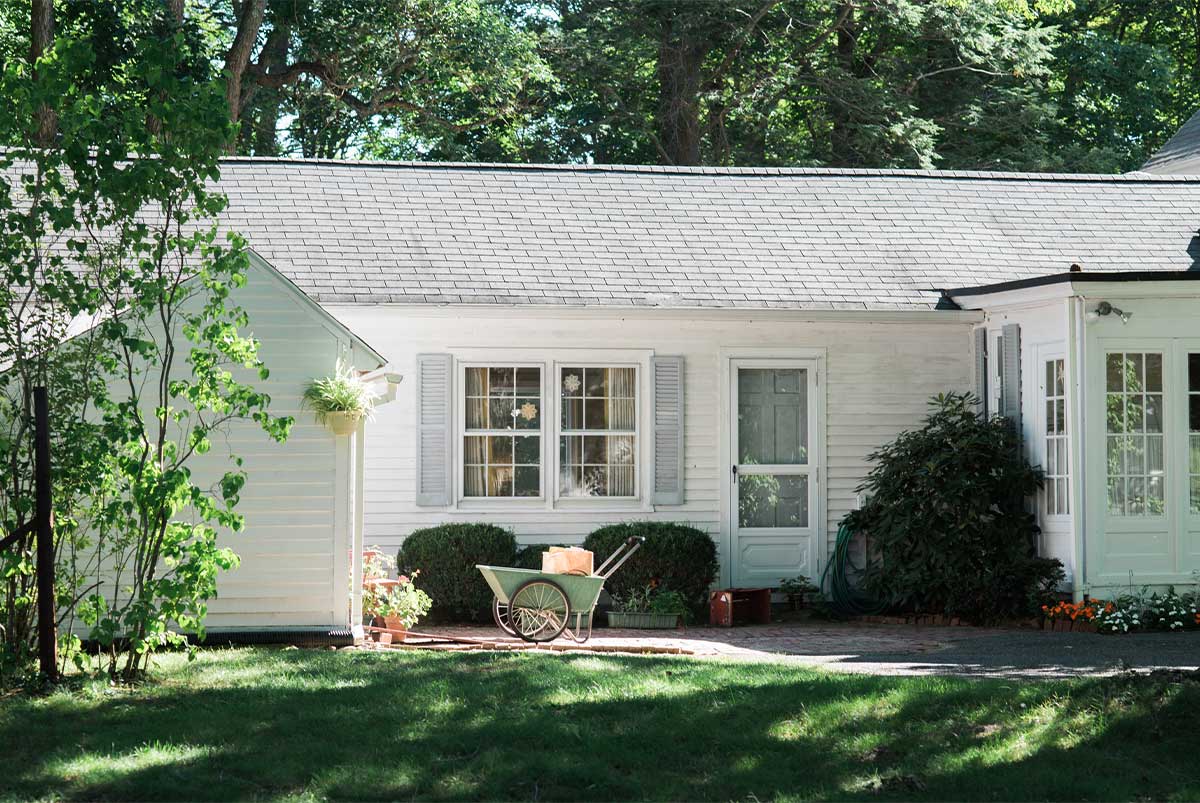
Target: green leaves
947	521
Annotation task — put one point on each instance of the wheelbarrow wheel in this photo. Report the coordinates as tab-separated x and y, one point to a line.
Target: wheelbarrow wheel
539	611
501	616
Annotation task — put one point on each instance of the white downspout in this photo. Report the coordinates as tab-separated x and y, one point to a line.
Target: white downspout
357	450
385	383
1077	339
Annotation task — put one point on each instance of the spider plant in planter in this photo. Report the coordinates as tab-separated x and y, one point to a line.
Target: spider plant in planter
339	401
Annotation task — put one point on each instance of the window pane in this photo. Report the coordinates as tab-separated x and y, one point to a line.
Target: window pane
572	382
528	450
529	382
476	382
772	500
1154	373
1154	422
1195	495
595	382
620	450
1114	377
1194	373
501	381
475	481
595	414
1060	378
1195	455
572	414
772	416
529	414
527	479
500	481
477	416
1194	413
500	449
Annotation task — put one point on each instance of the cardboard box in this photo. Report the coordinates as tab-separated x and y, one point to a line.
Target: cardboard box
567	560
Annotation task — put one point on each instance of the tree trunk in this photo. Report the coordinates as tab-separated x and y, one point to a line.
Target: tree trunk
261	134
42	41
841	149
678	116
238	56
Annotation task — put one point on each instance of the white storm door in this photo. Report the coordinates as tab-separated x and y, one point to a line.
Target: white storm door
773	473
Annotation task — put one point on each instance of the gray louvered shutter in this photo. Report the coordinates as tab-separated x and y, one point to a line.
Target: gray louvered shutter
1010	385
668	430
433	429
981	370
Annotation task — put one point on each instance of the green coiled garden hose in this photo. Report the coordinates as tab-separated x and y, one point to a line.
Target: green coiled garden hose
843	596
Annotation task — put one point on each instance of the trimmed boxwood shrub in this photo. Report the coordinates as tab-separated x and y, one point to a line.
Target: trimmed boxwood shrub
947	524
446	556
675	556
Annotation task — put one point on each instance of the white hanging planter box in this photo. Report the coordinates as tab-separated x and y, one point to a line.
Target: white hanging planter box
342	423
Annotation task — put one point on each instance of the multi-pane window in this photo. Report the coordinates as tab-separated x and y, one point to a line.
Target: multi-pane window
502	444
597	434
1134	413
1057	467
1193	366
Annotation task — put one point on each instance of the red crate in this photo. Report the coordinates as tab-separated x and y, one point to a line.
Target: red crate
730	606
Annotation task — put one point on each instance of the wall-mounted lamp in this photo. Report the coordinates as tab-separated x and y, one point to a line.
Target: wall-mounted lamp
1104	308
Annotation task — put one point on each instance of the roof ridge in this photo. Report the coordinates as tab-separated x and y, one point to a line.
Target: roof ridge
533	167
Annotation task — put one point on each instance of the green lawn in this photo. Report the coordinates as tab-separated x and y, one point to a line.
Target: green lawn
261	723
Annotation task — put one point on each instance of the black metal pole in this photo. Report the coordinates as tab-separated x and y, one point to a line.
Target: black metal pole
47	637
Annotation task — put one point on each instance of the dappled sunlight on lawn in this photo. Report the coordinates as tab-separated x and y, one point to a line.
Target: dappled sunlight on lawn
238	724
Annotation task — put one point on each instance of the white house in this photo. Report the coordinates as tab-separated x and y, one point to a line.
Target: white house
589	344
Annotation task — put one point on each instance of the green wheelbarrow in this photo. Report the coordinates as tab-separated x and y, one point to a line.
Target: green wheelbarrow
539	606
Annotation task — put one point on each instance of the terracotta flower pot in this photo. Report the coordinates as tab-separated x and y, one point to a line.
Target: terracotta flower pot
342	423
394	624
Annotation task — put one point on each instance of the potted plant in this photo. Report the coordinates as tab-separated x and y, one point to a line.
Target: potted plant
398	608
797	590
339	401
650	608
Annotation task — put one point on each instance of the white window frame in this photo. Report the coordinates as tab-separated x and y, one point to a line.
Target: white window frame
551	361
461	432
639	467
1047	355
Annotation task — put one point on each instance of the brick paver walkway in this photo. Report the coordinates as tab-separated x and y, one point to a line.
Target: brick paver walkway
881	649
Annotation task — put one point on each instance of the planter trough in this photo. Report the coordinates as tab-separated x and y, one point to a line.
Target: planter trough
643	621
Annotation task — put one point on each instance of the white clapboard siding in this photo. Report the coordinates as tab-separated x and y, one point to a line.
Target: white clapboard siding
880	377
294	550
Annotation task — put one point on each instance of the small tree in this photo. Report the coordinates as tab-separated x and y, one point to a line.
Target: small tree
947	522
113	219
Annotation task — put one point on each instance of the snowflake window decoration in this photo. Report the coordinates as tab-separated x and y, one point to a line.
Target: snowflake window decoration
571	383
529	411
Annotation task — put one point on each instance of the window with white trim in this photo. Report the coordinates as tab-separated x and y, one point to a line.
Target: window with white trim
1134	423
502	428
1193	369
1057	461
597	436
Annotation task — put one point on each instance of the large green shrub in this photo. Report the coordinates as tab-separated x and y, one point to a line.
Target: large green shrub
446	556
947	524
676	557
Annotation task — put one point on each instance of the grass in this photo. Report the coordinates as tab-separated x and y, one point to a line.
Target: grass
264	723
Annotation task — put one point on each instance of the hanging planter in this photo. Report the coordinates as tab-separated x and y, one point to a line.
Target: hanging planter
342	423
340	401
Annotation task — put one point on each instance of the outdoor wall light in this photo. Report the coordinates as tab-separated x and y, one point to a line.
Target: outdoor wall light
1104	308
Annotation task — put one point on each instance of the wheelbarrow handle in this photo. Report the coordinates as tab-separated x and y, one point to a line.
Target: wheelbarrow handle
623	553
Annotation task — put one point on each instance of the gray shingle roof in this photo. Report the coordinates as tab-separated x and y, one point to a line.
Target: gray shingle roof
1181	154
693	237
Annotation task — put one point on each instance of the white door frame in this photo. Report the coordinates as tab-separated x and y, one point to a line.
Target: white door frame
814	360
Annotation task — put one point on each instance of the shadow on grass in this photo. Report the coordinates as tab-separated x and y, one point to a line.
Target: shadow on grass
259	723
